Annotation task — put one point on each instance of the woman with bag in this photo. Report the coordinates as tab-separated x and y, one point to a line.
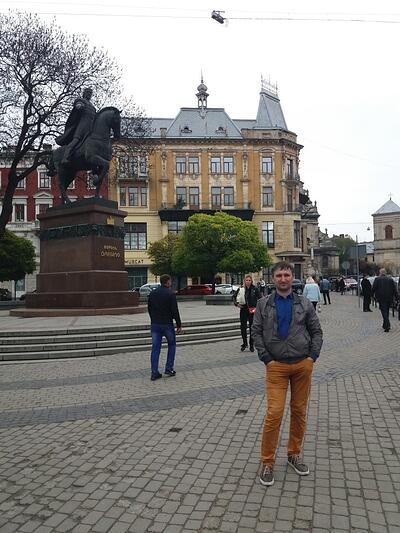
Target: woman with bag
312	292
246	298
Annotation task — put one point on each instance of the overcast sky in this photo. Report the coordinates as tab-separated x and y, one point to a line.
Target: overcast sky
338	82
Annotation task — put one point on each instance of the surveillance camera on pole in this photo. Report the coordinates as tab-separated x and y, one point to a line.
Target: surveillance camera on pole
216	15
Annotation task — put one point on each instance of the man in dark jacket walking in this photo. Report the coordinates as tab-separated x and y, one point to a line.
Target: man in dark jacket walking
163	310
367	293
288	338
385	292
246	298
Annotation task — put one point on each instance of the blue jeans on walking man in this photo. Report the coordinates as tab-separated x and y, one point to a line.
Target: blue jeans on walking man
158	331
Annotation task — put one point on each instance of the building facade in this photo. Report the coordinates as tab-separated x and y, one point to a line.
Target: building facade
387	236
204	161
33	196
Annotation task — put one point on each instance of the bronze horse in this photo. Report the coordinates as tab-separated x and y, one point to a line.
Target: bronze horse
93	154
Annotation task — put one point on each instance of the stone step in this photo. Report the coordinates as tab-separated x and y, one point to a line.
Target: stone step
98	334
77	351
106	329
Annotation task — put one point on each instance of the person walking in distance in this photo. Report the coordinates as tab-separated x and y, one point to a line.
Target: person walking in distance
311	291
342	286
288	338
367	293
246	298
385	292
325	287
163	310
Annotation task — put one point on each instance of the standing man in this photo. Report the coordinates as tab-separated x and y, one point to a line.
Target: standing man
325	286
367	293
288	338
246	298
385	292
163	310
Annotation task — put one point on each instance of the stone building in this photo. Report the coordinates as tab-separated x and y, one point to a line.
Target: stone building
205	161
387	236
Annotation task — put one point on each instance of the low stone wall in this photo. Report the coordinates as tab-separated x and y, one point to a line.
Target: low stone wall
219	299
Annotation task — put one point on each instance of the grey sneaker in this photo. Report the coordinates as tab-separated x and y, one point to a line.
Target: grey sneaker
299	467
267	476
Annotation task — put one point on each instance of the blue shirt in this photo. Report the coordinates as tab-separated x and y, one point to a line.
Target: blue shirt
284	311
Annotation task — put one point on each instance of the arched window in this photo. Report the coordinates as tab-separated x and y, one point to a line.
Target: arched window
388	232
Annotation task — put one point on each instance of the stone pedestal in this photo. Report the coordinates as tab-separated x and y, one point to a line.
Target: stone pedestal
82	262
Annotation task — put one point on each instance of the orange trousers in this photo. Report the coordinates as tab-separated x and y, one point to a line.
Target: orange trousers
278	377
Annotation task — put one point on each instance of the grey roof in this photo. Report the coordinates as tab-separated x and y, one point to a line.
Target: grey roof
212	123
215	123
244	124
270	114
388	207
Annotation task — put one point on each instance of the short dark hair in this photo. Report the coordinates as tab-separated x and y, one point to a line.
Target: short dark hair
164	278
283	265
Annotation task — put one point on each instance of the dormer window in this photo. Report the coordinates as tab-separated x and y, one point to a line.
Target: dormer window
186	129
221	130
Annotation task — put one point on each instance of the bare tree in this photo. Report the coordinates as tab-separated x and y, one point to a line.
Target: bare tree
42	71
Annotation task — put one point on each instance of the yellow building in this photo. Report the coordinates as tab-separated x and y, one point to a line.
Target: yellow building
205	161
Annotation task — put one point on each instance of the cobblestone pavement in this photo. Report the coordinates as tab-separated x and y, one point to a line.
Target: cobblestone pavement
93	445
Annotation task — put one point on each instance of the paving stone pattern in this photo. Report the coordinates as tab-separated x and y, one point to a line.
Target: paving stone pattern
91	445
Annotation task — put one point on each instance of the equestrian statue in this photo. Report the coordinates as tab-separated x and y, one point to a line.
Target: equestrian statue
85	144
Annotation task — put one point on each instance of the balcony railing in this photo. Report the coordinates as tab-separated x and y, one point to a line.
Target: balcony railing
207	206
141	176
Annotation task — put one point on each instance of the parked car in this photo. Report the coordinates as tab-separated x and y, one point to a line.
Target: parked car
226	288
146	289
350	283
297	286
23	296
5	294
195	290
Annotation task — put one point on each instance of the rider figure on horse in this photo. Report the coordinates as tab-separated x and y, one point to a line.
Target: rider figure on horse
78	126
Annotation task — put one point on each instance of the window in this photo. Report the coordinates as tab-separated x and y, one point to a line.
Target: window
268	234
388	232
228	165
175	226
143	196
193	165
289	168
267	200
19	213
181	195
21	184
44	180
137	196
143	166
133	196
135	236
266	164
122	196
289	200
215	165
215	197
325	261
181	165
194	197
229	198
296	234
42	208
89	181
132	166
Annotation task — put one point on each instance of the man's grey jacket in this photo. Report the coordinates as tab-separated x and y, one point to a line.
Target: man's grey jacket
304	337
